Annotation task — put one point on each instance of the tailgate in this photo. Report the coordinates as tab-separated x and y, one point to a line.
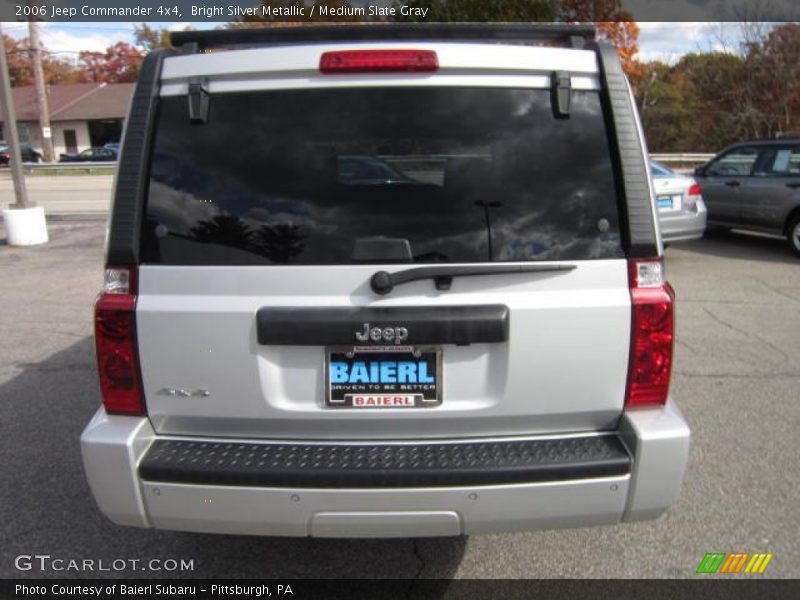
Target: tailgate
562	367
297	187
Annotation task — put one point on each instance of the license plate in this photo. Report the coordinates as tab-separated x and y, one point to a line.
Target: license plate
383	377
669	202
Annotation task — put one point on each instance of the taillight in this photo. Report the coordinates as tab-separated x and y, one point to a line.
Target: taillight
379	61
652	334
694	190
115	341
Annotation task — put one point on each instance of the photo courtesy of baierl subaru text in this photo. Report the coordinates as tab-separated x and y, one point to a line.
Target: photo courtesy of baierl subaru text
429	299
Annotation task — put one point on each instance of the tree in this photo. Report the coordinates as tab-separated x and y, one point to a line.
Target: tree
56	70
613	24
700	104
149	38
708	100
624	35
775	65
280	242
721	83
669	108
120	63
227	230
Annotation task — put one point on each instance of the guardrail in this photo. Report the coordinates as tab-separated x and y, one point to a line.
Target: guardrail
56	168
68	167
683	160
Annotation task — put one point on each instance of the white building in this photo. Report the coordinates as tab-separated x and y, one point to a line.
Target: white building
82	115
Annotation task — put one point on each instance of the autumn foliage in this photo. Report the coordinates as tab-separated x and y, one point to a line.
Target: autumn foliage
708	100
118	64
613	24
56	70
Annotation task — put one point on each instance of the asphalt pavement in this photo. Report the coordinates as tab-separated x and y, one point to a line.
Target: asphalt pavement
737	379
63	195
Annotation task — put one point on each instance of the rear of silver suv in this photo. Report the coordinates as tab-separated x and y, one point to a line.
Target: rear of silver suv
384	281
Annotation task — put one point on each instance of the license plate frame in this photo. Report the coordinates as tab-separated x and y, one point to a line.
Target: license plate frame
380	395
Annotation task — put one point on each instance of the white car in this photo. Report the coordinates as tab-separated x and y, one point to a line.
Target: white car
681	211
481	343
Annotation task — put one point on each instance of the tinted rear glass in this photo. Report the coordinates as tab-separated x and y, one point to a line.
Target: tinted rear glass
344	176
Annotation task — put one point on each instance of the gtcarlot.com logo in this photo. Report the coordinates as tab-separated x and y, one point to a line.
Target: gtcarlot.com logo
45	562
735	562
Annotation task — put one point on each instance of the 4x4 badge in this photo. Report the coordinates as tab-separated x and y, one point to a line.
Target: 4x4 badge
183	393
385	334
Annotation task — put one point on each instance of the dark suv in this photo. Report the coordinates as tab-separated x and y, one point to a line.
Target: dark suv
755	186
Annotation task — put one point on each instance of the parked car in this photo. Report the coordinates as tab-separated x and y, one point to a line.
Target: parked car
281	353
681	210
113	146
90	155
28	154
755	186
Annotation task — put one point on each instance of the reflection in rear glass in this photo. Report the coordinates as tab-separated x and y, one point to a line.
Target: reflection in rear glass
461	174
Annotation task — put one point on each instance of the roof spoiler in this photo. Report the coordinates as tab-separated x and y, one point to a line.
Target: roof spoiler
569	35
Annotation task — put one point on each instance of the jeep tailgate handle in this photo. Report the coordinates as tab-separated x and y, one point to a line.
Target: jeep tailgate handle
339	326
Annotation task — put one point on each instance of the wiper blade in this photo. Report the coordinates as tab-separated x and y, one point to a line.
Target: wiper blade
383	282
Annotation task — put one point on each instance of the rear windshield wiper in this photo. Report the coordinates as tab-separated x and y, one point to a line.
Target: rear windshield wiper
383	282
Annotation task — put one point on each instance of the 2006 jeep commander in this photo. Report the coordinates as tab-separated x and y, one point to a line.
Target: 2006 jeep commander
384	281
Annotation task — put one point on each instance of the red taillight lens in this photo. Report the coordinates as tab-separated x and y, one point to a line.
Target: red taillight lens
694	190
379	61
652	336
115	341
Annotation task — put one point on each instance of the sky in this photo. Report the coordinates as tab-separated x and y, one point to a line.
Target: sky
665	41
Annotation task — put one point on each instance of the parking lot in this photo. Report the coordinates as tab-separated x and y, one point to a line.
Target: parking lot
737	379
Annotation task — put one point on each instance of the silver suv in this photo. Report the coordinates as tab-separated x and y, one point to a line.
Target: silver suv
428	300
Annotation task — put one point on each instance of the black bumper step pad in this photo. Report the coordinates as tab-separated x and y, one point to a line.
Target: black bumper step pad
375	465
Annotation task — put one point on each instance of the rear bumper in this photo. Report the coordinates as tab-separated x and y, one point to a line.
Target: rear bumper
136	479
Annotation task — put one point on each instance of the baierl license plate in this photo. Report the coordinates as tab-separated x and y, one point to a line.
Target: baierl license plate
383	377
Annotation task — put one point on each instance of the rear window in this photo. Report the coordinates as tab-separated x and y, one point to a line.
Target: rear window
347	176
660	171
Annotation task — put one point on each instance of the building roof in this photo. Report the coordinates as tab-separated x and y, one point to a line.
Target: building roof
75	102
